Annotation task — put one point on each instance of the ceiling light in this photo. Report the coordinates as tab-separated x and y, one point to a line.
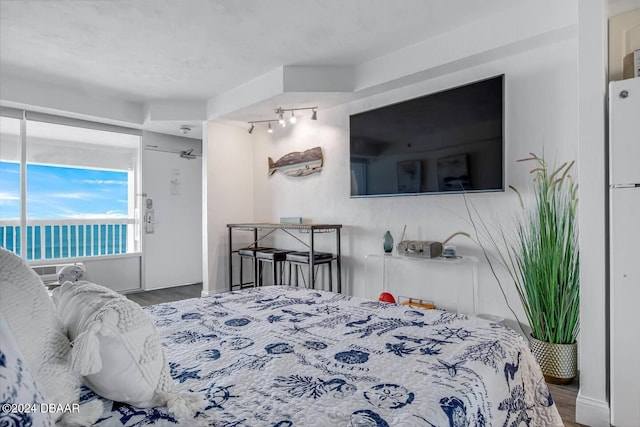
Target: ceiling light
280	118
185	130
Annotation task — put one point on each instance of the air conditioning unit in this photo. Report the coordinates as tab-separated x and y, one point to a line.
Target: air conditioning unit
48	273
60	272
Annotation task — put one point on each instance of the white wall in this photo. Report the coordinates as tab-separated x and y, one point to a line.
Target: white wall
592	406
229	197
541	114
172	254
120	273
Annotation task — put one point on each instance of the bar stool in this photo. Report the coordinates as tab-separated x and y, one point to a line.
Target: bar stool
250	253
275	257
298	259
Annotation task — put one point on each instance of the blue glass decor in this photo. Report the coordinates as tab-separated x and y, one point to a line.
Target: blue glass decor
388	242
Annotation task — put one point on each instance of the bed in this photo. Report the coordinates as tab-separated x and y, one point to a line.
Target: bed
286	356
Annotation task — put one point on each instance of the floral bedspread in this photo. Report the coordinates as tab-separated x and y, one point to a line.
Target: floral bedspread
284	356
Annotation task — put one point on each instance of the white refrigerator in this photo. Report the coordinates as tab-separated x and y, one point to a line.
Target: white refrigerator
624	234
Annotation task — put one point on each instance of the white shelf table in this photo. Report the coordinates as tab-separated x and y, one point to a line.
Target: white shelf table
451	283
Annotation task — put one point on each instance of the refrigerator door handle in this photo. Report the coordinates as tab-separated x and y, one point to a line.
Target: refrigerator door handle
632	185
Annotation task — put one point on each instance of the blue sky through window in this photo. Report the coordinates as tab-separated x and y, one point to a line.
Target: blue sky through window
55	192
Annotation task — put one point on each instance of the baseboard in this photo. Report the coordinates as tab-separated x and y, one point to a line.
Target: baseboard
171	286
206	293
592	412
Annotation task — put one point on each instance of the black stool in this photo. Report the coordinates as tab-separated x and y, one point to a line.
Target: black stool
298	259
250	253
273	256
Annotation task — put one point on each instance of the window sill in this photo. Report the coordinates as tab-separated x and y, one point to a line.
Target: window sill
59	261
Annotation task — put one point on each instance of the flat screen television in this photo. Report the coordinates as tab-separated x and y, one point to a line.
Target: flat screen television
451	141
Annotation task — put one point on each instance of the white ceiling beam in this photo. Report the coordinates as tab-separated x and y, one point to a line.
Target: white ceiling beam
79	101
175	111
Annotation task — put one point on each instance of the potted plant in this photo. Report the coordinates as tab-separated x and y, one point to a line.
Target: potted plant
542	259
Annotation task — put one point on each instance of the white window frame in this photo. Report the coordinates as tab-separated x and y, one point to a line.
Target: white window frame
134	240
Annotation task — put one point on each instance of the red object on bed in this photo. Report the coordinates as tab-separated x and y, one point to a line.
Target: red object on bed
386	297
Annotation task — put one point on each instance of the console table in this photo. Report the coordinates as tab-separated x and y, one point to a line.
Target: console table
263	229
452	283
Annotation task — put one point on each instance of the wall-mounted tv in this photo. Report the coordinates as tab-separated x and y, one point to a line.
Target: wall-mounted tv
445	142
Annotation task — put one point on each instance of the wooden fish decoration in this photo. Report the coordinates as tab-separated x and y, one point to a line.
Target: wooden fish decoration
298	163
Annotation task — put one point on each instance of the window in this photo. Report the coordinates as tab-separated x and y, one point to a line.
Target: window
10	183
79	193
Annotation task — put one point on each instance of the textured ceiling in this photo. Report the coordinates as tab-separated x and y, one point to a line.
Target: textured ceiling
142	50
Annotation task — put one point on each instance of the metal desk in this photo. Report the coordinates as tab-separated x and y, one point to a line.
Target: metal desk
311	229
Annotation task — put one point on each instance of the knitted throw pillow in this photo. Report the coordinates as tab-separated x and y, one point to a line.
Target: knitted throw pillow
32	318
117	349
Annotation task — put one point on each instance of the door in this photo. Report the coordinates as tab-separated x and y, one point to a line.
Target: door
172	208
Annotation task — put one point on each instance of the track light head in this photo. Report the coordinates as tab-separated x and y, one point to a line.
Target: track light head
314	116
270	130
293	118
251	128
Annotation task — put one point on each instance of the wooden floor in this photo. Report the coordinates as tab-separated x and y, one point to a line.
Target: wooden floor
166	295
564	396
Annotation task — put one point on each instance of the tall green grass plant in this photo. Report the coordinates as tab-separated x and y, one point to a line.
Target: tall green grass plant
543	256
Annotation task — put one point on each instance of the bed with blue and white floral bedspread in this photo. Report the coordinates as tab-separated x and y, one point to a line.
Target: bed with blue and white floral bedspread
285	356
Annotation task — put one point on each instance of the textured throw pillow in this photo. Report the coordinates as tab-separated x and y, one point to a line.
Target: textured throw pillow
32	318
117	349
19	394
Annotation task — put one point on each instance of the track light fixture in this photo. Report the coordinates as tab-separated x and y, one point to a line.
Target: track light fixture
280	118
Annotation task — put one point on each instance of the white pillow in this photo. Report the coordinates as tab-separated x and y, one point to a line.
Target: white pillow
31	315
117	349
18	387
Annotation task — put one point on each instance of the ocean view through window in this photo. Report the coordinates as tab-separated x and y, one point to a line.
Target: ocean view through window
67	209
79	191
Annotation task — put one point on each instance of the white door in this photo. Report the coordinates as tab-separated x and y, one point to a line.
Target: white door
173	241
624	296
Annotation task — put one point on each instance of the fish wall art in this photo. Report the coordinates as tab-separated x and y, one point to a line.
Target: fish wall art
298	163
